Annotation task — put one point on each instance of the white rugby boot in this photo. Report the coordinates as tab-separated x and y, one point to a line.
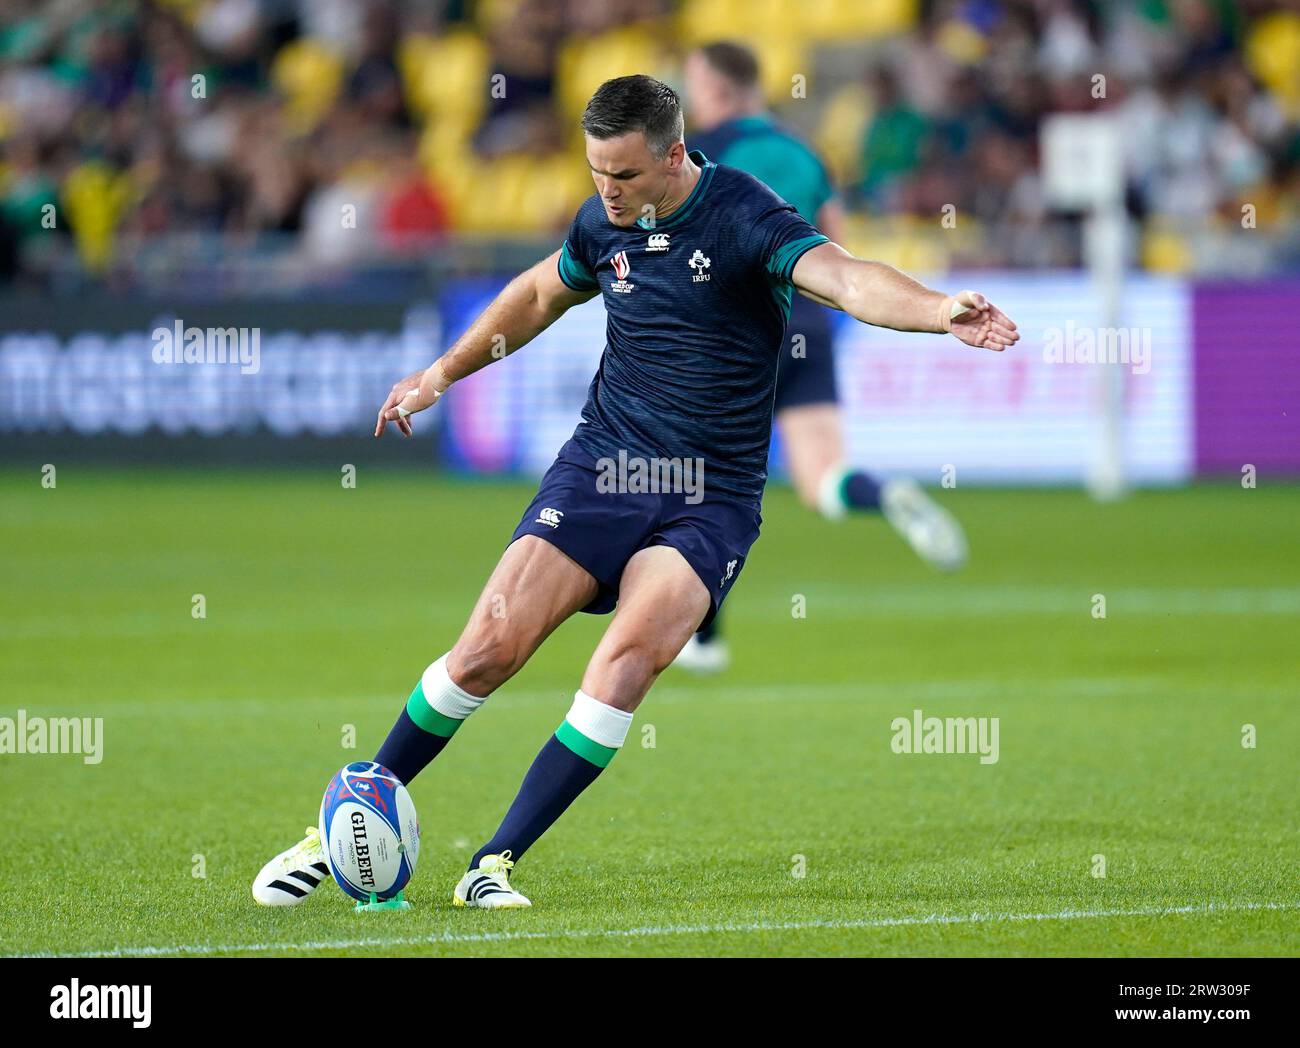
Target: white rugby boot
699	656
931	531
294	874
488	887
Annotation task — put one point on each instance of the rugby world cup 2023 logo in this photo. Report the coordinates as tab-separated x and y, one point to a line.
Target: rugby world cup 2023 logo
622	267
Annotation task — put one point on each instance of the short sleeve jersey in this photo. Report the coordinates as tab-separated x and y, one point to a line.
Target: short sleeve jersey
696	305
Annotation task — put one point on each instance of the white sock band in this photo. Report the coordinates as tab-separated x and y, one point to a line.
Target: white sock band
445	695
598	721
830	492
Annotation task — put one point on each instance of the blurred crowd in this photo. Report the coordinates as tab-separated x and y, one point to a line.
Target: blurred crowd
1207	95
360	129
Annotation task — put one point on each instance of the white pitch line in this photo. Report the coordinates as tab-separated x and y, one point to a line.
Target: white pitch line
200	949
679	690
835	601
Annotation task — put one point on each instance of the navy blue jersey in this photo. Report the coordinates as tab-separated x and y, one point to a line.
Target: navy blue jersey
697	307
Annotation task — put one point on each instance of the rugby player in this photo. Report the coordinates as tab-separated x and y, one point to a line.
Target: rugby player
697	264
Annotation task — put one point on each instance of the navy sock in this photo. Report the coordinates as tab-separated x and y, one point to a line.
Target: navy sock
409	748
422	731
710	632
553	782
861	492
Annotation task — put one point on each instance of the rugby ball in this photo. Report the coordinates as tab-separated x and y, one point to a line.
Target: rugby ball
369	831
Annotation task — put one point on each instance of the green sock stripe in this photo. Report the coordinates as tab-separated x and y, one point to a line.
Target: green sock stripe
427	718
584	747
842	489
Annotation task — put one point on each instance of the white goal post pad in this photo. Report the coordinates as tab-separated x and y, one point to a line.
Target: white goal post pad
1083	160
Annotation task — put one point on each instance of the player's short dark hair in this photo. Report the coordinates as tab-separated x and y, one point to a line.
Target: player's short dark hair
636	103
734	61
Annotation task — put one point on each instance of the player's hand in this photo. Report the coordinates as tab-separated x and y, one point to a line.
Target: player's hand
404	399
980	323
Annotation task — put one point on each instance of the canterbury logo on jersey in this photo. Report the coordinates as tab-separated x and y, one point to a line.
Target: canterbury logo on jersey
657	242
550	517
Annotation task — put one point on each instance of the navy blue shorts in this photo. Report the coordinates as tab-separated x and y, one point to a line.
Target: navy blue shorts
601	530
809	379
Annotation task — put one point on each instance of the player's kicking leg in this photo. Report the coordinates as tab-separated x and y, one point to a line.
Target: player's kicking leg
534	588
661	600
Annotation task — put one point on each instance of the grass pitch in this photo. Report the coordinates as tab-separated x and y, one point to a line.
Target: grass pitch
1120	737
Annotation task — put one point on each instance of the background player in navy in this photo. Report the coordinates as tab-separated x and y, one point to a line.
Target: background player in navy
697	264
730	125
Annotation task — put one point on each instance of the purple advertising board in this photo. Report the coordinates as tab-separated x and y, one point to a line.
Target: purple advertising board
1247	376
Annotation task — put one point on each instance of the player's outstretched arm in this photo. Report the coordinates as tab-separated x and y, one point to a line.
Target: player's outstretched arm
526	307
881	295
